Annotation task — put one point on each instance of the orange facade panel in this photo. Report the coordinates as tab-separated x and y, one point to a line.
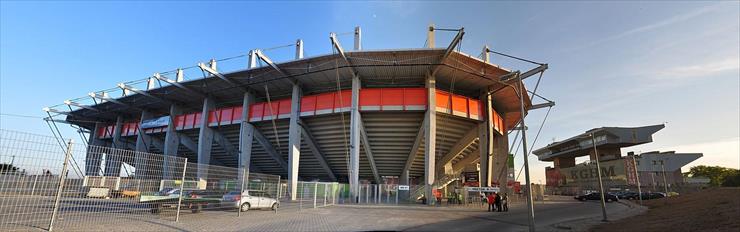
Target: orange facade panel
474	109
238	114
284	108
443	101
459	106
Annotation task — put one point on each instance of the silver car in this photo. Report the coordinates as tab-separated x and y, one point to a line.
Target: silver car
250	199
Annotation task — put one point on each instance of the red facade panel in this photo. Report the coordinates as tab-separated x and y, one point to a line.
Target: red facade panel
308	105
180	122
227	115
415	98
284	108
392	99
198	120
238	114
324	103
370	99
256	112
271	110
343	101
213	116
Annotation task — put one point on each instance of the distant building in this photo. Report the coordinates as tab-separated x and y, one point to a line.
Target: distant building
618	172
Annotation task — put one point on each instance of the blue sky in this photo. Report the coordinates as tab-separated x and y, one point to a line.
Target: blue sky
611	63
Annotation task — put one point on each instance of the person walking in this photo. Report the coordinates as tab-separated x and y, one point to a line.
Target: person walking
505	202
498	202
491	199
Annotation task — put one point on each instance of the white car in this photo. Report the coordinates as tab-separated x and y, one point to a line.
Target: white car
250	200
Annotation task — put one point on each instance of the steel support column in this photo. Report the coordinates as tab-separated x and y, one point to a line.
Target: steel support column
354	135
485	147
246	136
430	136
294	141
205	138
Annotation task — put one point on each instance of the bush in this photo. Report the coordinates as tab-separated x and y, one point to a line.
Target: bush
732	180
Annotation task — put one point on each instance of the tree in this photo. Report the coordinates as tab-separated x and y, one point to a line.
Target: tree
716	174
732	180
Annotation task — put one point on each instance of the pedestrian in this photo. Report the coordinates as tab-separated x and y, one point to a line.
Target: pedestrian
505	202
483	199
491	200
498	202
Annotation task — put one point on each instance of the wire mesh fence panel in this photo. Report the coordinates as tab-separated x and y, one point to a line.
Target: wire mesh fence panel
121	184
30	172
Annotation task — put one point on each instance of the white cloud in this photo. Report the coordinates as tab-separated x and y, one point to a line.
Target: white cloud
705	69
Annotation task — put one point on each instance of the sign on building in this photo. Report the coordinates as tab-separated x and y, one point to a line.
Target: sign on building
155	122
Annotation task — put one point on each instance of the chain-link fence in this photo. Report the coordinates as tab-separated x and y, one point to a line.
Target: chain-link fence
46	184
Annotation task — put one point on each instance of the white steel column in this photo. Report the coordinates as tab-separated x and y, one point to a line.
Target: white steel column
430	136
246	135
205	138
486	141
354	134
294	141
358	39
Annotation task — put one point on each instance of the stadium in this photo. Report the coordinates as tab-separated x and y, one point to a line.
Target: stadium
416	116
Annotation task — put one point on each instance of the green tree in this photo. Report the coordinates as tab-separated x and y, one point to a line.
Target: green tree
732	180
716	174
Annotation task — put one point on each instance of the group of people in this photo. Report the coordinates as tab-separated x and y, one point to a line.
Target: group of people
497	202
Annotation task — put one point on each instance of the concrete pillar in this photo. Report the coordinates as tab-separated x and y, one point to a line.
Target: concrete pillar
93	156
114	157
485	133
354	141
205	138
143	141
171	143
500	161
246	135
404	178
430	136
294	141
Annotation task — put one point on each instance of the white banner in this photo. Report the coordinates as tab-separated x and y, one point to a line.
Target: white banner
483	189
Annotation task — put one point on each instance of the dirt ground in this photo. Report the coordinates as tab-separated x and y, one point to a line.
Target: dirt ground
716	209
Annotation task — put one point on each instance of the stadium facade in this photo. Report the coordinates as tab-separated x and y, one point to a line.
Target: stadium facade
416	115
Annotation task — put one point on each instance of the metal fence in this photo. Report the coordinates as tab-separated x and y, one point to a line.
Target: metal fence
46	184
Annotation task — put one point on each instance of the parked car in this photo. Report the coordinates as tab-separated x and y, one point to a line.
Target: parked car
628	195
597	196
652	195
250	199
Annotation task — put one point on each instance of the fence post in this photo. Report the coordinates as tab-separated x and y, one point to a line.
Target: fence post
279	188
300	195
396	194
33	189
367	194
325	192
62	177
315	190
182	187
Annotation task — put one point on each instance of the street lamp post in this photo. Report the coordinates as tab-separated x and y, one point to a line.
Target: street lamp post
601	184
530	204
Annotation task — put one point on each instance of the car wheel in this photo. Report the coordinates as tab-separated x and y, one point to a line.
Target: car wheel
244	207
274	206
